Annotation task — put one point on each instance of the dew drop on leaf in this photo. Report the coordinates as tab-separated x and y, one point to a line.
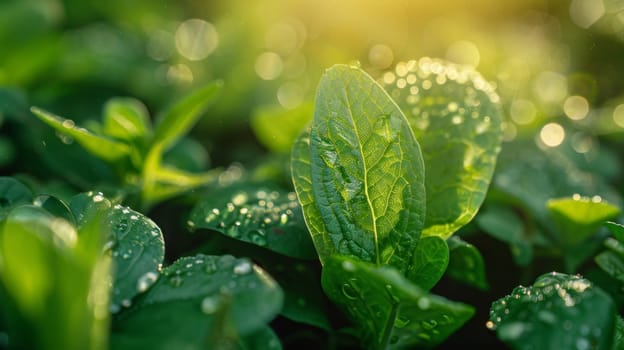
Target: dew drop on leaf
210	304
242	268
146	281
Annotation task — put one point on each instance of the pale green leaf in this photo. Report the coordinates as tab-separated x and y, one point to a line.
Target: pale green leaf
429	262
456	117
126	119
278	128
579	217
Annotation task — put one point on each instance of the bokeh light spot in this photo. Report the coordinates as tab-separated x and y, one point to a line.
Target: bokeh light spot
552	135
290	95
196	39
269	65
618	115
464	52
551	87
584	13
522	111
576	107
380	56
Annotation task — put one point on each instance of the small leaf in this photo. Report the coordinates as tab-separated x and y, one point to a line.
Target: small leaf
503	224
388	310
181	117
12	194
135	243
558	312
429	262
291	122
612	263
456	117
466	264
126	119
365	172
579	217
617	230
102	147
263	215
194	296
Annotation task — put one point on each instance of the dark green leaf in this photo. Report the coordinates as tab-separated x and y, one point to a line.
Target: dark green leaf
193	297
388	310
466	264
456	117
12	194
55	207
264	339
617	230
102	147
280	139
126	119
366	175
263	215
612	263
558	312
429	262
503	224
135	243
181	117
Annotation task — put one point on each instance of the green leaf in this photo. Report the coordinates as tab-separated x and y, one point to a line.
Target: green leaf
264	339
193	297
612	263
126	119
579	217
278	128
183	115
429	262
466	264
51	283
558	312
618	337
503	224
102	147
135	243
12	194
456	117
617	230
388	310
260	214
365	174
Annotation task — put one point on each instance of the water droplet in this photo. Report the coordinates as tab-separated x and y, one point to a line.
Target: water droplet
582	344
126	303
348	266
424	303
401	322
457	119
258	237
349	292
114	308
489	325
134	217
242	268
146	281
210	304
176	281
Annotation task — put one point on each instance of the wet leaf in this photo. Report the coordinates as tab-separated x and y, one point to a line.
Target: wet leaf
389	311
361	181
194	296
264	215
126	119
135	244
101	146
558	312
456	117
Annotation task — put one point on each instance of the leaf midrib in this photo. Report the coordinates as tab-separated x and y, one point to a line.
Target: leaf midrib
365	173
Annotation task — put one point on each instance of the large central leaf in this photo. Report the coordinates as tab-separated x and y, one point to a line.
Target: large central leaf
361	177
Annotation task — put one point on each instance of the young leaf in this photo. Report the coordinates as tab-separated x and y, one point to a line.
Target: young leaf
456	117
365	173
102	147
263	215
390	311
135	243
180	118
579	217
429	262
558	312
126	119
617	230
192	297
466	264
